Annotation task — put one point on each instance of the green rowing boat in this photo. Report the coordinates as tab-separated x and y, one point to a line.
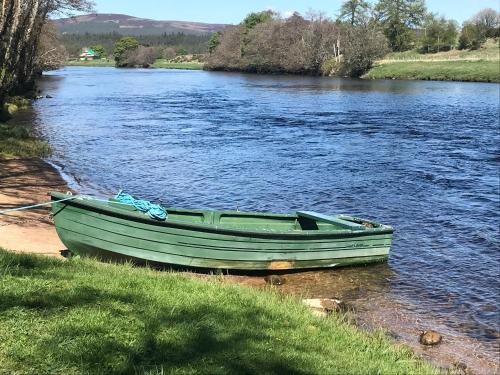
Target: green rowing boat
218	239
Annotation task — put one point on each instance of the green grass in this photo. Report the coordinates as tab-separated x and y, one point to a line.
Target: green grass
80	316
160	63
102	62
177	65
482	65
489	51
479	71
17	141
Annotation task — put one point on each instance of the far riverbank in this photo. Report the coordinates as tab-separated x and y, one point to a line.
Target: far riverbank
159	64
482	65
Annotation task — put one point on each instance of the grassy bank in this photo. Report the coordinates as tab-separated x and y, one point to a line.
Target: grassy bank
17	140
160	64
177	65
82	316
102	62
481	65
478	71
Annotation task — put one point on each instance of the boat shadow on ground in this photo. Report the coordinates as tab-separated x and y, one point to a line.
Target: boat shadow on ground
382	268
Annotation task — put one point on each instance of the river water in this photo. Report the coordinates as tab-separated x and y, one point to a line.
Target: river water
423	157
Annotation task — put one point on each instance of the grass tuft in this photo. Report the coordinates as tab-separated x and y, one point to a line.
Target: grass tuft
82	316
17	141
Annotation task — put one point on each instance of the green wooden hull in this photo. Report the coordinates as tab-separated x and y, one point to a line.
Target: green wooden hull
216	239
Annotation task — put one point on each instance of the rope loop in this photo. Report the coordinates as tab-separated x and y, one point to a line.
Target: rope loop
154	211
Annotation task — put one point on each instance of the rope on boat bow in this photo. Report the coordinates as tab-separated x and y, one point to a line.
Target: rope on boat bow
5	212
154	211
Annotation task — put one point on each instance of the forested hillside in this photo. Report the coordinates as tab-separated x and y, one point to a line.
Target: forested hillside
104	23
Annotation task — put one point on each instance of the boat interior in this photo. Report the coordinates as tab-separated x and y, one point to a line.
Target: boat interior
300	221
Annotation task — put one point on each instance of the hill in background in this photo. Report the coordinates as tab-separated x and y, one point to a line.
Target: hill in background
104	23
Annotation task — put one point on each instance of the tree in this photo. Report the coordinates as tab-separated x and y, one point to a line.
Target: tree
470	37
99	50
227	56
488	22
181	52
354	11
214	41
50	54
140	57
440	34
253	19
399	18
168	53
21	24
122	47
483	25
362	46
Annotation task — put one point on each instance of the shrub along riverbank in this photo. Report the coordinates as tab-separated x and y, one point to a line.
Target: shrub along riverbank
83	316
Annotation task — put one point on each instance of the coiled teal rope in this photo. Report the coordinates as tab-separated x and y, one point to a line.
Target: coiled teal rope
154	211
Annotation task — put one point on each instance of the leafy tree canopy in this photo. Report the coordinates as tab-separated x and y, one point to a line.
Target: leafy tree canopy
485	24
354	11
440	34
398	18
123	46
253	19
99	50
214	41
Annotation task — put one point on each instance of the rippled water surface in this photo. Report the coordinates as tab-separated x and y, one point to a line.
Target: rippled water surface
421	156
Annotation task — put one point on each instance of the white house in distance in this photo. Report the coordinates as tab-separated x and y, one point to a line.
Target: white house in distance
88	54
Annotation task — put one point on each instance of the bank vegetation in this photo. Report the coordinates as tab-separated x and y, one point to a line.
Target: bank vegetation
80	316
267	43
363	32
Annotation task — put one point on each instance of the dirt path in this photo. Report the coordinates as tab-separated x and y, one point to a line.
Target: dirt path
24	182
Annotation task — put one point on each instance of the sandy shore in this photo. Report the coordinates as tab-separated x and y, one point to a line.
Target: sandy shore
24	182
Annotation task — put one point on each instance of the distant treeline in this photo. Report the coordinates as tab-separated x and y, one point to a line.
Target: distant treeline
192	44
316	45
266	42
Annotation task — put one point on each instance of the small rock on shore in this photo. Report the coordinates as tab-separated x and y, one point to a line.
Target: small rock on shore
274	280
430	338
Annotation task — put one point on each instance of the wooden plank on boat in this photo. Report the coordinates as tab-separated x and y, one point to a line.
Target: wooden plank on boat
330	220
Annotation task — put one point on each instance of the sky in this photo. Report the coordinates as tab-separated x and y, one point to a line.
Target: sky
233	11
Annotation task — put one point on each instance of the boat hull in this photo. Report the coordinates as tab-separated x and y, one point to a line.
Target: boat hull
93	232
